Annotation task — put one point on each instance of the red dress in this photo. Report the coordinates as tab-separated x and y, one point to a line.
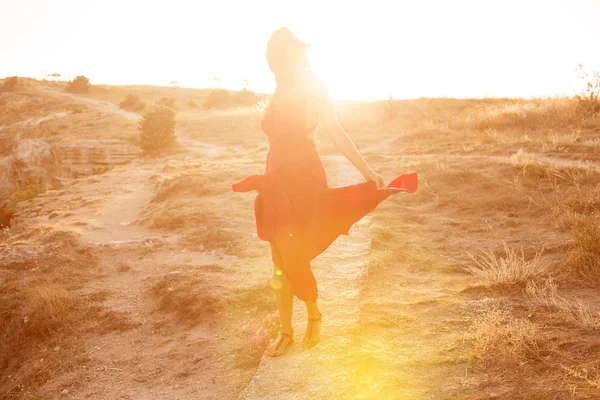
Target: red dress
296	211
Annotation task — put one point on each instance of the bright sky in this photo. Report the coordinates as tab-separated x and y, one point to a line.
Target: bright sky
362	49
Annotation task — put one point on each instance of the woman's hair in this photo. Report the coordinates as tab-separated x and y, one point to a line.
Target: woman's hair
286	55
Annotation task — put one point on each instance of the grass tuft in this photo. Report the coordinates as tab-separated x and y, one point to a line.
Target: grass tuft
496	333
575	310
186	295
509	269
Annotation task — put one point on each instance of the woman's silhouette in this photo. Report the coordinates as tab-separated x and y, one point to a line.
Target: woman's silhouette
296	211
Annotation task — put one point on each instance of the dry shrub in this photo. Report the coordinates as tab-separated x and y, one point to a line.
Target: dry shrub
218	99
36	318
244	98
187	295
589	96
588	203
157	128
10	83
192	104
187	183
508	269
132	102
522	158
211	237
526	116
554	177
80	84
575	310
49	307
584	255
42	318
498	334
167	101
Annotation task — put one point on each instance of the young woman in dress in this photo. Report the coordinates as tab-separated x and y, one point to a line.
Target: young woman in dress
296	211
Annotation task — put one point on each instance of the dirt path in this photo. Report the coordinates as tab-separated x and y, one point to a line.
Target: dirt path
340	271
389	332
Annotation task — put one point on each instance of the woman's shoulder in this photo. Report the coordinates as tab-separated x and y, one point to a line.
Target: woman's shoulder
315	88
315	84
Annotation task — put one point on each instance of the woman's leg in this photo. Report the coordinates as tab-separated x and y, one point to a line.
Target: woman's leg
285	300
313	327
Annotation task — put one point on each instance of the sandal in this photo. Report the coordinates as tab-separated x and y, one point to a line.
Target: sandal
280	350
307	342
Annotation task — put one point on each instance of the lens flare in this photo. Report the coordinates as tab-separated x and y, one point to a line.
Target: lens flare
276	284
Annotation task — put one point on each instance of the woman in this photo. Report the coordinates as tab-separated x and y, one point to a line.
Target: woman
296	211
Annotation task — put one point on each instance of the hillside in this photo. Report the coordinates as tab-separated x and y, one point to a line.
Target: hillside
125	275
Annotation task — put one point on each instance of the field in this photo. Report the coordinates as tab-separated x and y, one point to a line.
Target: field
134	276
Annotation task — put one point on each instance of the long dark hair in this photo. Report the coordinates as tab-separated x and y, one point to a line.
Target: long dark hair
286	55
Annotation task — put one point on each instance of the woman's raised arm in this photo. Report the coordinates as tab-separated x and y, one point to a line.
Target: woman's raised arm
329	122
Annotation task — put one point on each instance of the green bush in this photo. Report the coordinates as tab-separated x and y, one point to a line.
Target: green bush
132	102
10	82
167	102
80	84
157	128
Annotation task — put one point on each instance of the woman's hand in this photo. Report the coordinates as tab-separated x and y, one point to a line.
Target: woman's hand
375	177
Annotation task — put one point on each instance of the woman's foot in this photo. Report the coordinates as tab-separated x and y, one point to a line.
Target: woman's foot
280	345
313	332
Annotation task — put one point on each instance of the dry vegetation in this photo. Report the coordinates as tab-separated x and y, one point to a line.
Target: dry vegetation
508	207
43	315
514	197
187	295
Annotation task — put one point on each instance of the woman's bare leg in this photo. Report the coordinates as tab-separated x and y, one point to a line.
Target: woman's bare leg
285	300
313	327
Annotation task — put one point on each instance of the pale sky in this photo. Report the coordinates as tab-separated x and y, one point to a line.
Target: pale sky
362	49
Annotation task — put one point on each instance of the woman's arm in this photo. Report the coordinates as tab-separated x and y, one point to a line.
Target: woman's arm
328	120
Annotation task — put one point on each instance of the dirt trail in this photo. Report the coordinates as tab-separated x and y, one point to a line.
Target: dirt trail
340	272
388	333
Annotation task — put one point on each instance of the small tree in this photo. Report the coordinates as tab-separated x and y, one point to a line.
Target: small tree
192	103
245	98
10	82
167	102
157	128
80	84
218	98
132	102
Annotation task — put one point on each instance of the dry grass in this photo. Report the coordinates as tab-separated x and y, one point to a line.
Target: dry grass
546	295
579	213
510	268
498	334
187	295
42	319
189	200
584	256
